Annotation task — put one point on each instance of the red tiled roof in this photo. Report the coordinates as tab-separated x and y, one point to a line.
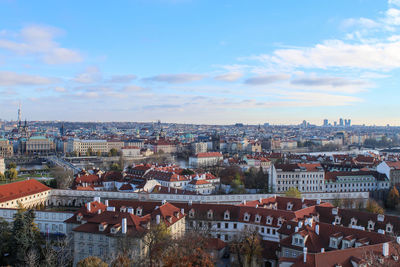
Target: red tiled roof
21	189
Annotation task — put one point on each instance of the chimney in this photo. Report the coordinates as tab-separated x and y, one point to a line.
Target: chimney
244	202
88	206
385	249
106	202
99	211
305	254
96	199
190	202
158	219
302	200
317	229
183	211
318	201
296	229
322	250
124	226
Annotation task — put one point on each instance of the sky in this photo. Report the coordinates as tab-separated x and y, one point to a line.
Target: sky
200	61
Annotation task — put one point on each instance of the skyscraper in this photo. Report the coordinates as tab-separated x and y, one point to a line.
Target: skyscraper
341	122
326	122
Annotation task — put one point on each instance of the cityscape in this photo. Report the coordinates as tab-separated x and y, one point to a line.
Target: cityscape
198	133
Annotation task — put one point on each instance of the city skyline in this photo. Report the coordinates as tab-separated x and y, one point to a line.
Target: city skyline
201	62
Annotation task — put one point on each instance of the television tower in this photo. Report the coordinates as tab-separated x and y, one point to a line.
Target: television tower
19	115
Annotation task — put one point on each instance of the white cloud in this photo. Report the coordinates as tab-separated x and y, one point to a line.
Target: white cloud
122	78
39	41
11	78
394	2
267	79
133	88
60	89
229	77
90	75
360	22
175	78
331	83
336	53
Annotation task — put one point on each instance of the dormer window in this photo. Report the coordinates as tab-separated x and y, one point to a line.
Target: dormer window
139	211
389	228
333	243
191	213
381	217
353	221
210	214
371	225
258	218
289	206
280	221
269	220
297	240
246	217
226	215
79	217
102	226
337	220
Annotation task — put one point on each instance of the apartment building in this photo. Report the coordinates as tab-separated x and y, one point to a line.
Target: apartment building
306	177
101	231
82	146
2	165
355	181
6	148
391	169
205	159
200	147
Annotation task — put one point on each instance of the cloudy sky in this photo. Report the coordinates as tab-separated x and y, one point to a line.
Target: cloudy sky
199	61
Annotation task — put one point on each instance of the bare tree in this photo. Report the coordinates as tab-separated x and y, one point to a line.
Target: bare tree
246	246
63	177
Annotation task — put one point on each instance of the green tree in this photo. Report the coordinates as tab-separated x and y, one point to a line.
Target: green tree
373	207
92	262
115	167
293	192
11	174
12	165
237	185
89	152
26	239
2	177
98	153
5	236
187	172
393	198
113	152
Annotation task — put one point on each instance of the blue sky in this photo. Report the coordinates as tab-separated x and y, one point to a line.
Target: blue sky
189	61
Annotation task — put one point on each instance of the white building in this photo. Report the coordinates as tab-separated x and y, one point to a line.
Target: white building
48	222
2	165
359	181
131	152
306	177
205	159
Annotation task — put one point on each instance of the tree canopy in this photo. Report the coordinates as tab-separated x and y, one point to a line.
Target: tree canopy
293	192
